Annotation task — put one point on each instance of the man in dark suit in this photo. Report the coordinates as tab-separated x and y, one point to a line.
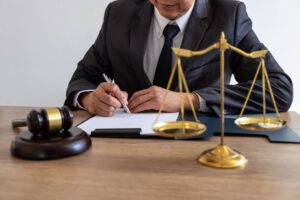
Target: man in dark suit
132	44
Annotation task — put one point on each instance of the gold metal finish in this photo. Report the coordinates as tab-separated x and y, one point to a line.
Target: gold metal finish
187	53
179	128
260	123
223	48
223	157
54	118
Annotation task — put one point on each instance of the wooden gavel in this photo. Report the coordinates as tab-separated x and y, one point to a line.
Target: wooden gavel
48	120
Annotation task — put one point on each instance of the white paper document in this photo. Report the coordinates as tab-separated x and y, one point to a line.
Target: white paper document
121	119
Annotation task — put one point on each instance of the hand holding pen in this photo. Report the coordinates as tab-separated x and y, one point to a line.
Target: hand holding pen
105	99
112	81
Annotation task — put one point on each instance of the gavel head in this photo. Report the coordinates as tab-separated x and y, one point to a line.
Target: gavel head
49	120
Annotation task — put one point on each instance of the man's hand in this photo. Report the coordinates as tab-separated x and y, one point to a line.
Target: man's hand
152	98
104	100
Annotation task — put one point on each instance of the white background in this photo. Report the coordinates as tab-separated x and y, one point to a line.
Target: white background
41	42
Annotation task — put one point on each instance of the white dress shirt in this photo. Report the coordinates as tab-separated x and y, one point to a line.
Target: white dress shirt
156	39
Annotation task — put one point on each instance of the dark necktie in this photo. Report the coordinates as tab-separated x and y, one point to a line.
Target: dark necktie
163	69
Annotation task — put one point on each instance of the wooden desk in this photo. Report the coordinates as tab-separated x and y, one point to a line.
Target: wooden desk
150	169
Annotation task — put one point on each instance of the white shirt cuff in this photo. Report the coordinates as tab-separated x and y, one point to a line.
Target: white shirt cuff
202	103
75	100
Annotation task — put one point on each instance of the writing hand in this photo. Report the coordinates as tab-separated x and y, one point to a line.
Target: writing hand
152	98
104	100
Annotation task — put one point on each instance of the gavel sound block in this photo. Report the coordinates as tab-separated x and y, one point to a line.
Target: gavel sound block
50	135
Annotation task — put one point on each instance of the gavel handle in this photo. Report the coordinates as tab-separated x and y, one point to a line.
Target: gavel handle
19	123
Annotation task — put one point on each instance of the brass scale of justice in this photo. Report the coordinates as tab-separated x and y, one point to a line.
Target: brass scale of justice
221	156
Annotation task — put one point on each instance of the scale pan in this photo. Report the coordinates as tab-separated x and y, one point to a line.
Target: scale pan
260	123
179	129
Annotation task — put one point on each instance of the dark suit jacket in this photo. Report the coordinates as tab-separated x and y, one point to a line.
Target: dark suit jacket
120	46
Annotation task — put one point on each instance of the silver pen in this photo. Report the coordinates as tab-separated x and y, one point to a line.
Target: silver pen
107	79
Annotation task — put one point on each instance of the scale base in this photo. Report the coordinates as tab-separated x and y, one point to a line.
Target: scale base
222	157
59	145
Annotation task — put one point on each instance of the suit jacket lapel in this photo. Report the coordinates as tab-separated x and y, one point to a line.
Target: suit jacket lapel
195	29
140	26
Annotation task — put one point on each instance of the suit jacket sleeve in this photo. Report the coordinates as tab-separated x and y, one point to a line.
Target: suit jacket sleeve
88	74
244	70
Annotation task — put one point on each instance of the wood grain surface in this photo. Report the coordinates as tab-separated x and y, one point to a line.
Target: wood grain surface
144	169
